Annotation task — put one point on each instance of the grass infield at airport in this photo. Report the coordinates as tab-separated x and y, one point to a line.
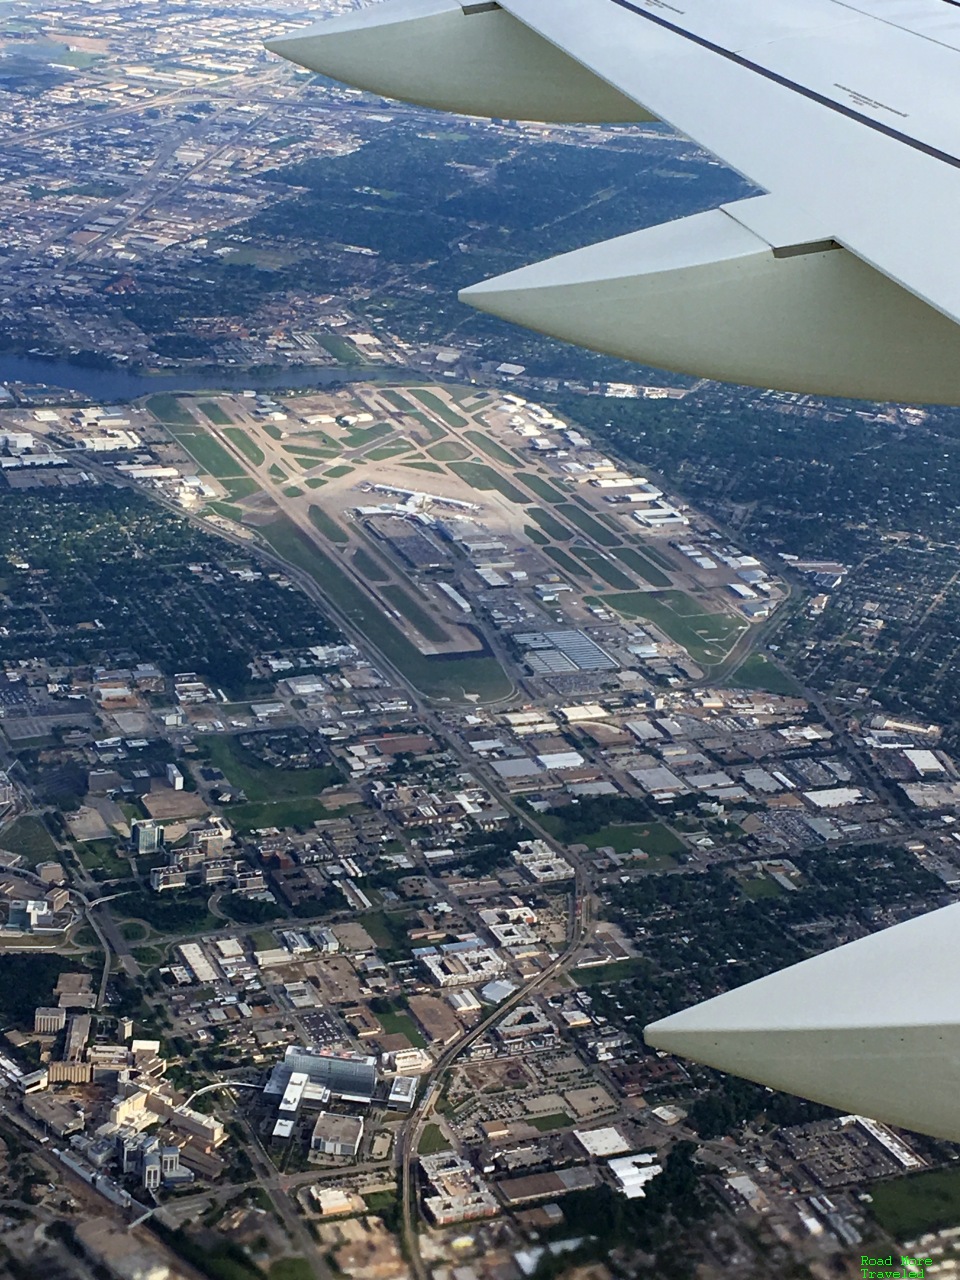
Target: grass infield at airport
707	637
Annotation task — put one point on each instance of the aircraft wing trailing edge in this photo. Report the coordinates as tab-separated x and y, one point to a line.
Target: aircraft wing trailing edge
843	279
872	1027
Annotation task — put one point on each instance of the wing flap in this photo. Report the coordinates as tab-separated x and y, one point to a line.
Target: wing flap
710	295
472	58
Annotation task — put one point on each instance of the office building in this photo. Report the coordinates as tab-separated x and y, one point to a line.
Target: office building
49	1022
147	836
335	1135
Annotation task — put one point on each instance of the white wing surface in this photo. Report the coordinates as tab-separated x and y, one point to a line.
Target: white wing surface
844	279
872	1027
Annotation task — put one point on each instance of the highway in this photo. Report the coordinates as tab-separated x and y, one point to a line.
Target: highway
409	1136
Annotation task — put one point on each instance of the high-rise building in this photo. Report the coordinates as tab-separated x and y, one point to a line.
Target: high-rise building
147	835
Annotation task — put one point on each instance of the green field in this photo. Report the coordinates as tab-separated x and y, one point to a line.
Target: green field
449	451
464	395
30	838
542	488
328	526
588	525
911	1206
388	930
209	454
251	451
342	350
171	914
369	568
425	466
401	1024
277	474
305	453
168	409
447	678
556	1120
360	437
600	975
414	612
536	536
290	1269
263	782
757	887
216	415
707	637
492	449
443	411
758	672
385	451
432	1141
240	488
335	473
378	1201
641	566
652	837
293	491
77	58
397	400
655	554
284	813
603	568
101	855
567	563
550	524
227	510
432	430
315	482
479	476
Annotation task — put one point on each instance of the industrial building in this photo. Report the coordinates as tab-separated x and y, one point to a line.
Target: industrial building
335	1135
563	652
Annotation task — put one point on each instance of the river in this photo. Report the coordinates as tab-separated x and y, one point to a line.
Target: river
118	385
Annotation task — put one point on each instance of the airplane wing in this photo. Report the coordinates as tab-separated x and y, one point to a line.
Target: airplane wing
843	279
872	1027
